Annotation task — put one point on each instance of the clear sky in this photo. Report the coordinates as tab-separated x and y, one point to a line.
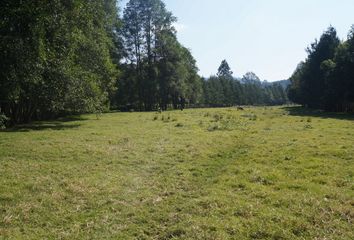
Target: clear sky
267	37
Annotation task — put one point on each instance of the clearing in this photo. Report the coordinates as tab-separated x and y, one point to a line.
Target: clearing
262	173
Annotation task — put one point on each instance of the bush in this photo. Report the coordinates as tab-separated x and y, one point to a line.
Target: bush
3	121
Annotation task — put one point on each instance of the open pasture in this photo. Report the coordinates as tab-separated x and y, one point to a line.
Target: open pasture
261	173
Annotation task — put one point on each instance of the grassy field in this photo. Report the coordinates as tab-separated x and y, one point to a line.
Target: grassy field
262	173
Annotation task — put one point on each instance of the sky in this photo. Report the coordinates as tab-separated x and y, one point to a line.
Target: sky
267	37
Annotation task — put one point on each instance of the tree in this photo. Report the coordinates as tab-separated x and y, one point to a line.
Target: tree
251	77
339	93
325	79
295	91
145	23
56	58
224	70
165	71
309	81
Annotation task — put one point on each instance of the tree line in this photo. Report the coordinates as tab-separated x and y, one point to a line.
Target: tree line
325	80
225	90
65	57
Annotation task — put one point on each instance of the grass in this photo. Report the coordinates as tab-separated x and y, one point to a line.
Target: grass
262	173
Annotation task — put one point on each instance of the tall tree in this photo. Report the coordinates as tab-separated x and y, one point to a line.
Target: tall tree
339	92
145	22
311	77
55	58
165	71
325	79
224	70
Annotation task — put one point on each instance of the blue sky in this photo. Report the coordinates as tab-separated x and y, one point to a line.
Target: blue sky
267	37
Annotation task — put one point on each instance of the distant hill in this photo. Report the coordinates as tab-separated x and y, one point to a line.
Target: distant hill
283	83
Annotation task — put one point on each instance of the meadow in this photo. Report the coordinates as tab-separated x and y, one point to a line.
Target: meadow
261	173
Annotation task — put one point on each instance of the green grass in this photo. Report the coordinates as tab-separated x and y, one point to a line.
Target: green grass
262	173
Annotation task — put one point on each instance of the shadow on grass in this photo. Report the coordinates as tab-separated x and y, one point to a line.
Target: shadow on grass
306	112
56	125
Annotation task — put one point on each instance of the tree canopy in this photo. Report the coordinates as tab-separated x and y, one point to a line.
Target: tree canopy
325	79
161	70
224	70
56	57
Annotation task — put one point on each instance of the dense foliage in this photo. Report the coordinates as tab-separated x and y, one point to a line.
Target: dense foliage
157	69
55	57
325	80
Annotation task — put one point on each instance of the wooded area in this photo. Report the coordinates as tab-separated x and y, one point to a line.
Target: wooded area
71	57
325	80
57	57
